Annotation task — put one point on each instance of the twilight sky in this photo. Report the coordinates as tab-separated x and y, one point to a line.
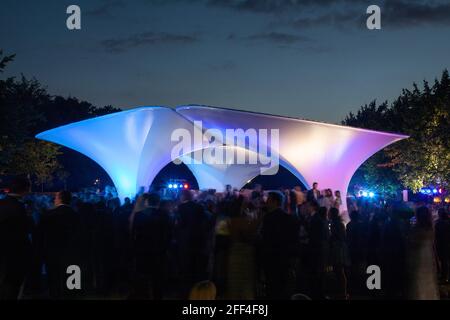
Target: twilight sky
301	58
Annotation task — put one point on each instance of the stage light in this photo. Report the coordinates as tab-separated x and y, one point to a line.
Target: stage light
440	190
435	190
365	194
175	186
186	186
371	194
170	186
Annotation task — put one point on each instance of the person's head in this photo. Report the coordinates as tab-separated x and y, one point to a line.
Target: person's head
166	206
274	200
228	188
20	185
186	195
337	194
334	214
313	207
328	193
204	290
442	213
322	212
423	217
153	200
315	185
141	202
63	197
127	201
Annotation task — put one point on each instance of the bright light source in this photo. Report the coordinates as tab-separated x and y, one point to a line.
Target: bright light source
186	186
175	186
435	190
371	194
170	186
365	194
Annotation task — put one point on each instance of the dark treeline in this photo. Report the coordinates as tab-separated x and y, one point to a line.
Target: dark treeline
424	158
27	108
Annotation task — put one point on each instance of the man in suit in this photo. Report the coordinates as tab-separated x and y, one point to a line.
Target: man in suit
15	246
313	195
152	235
279	241
194	227
60	236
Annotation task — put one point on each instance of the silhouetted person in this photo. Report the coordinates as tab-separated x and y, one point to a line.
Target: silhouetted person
279	241
421	268
313	195
442	240
241	259
374	238
393	250
152	234
194	230
319	248
123	246
59	232
15	247
357	245
339	256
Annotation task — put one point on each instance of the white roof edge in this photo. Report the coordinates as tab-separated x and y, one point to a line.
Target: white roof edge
193	106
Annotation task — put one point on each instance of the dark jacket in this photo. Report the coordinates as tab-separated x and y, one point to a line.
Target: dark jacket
310	195
14	230
60	235
152	232
15	246
279	235
194	227
442	237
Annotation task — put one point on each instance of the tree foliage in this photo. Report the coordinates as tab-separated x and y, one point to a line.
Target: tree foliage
26	108
422	159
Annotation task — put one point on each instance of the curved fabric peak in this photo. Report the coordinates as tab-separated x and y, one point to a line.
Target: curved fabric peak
325	153
131	146
115	141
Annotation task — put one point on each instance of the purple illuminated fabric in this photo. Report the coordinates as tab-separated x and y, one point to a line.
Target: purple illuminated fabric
133	146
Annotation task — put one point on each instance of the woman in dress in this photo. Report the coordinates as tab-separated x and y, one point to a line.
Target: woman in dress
421	277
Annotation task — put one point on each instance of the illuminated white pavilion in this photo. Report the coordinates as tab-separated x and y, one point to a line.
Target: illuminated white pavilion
133	146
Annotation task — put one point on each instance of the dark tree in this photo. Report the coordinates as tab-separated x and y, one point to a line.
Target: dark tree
424	158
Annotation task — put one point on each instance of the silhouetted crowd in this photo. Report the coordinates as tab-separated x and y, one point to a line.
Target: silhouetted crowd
248	244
